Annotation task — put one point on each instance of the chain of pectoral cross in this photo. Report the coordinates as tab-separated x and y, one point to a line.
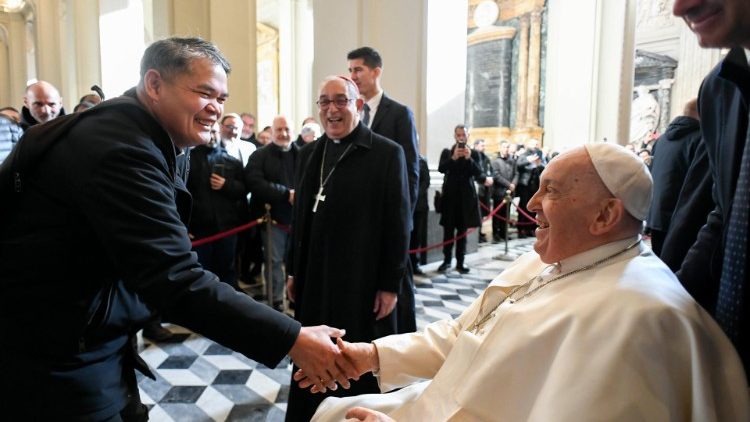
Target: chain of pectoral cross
319	196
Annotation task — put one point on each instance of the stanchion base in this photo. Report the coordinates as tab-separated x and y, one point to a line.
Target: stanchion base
505	257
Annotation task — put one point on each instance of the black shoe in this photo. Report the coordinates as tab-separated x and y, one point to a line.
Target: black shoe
418	271
462	270
482	239
444	266
156	333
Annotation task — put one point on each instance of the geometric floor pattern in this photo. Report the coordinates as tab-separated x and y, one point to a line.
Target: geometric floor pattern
198	380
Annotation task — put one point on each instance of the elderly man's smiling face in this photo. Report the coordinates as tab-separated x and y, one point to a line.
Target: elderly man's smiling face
566	205
338	105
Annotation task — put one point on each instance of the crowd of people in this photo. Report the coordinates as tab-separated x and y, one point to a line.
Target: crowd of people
590	325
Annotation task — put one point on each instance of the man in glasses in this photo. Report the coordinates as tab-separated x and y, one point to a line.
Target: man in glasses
351	231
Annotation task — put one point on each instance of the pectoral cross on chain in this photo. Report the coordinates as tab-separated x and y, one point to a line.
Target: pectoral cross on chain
318	197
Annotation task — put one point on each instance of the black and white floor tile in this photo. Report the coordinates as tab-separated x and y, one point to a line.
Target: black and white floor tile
198	380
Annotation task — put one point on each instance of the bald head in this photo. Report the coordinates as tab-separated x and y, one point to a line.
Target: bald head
43	101
280	133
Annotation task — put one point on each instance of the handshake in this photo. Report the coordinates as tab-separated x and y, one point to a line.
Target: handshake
323	364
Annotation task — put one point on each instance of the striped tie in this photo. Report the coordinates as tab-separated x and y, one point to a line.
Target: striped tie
366	115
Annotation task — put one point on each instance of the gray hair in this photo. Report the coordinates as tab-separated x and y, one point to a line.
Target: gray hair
351	88
173	56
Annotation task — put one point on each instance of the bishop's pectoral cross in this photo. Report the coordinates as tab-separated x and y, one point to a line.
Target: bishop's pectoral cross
318	197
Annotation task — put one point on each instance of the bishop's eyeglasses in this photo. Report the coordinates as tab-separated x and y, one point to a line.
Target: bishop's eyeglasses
339	102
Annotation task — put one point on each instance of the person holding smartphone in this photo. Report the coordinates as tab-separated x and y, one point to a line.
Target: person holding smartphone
460	165
216	182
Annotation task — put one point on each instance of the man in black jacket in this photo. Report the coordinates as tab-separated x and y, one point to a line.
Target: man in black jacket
460	165
716	270
98	195
505	178
41	103
269	177
395	121
217	185
672	153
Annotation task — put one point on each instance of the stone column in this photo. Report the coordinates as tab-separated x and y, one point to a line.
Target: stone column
488	86
663	95
523	64
532	88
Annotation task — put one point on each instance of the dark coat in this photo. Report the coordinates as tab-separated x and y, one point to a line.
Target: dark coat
672	155
395	121
459	193
723	107
484	163
356	242
215	211
91	241
690	213
504	173
352	247
267	181
424	185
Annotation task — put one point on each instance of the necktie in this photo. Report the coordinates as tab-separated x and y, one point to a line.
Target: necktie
729	309
366	115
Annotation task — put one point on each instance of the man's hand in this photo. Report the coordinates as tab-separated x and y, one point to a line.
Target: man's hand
291	196
367	415
290	293
217	182
320	359
488	181
512	187
384	304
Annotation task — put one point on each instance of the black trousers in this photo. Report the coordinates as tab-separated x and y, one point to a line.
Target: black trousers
448	233
419	239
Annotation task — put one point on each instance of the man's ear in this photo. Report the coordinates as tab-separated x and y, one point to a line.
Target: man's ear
360	103
26	101
611	212
153	84
378	71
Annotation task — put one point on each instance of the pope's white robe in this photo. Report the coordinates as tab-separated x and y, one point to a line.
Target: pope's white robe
619	342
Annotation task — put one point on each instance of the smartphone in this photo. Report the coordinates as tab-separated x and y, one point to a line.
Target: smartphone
218	168
462	145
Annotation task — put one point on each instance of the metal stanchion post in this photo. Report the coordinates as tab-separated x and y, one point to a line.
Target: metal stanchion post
269	253
505	256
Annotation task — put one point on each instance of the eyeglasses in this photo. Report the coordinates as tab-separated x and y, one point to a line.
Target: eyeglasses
230	127
339	102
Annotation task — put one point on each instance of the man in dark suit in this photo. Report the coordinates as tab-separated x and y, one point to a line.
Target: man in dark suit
395	121
351	231
672	155
107	186
716	270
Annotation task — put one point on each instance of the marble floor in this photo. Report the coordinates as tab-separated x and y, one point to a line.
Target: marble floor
198	380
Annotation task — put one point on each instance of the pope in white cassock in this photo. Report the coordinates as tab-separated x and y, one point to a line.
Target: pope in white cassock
590	326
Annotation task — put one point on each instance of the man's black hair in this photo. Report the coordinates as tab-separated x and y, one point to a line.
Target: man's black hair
369	56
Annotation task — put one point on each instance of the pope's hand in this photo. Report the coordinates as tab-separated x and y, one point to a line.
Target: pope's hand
363	358
318	357
367	415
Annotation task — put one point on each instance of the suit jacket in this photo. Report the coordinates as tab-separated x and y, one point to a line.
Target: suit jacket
395	121
99	198
723	106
